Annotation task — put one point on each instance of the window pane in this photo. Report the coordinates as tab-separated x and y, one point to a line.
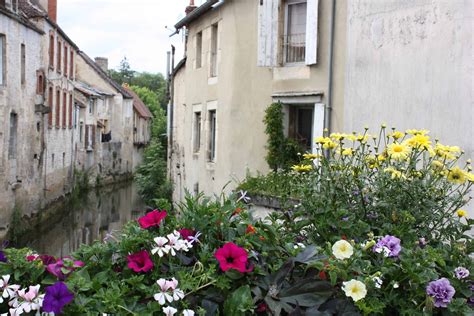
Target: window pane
198	50
295	37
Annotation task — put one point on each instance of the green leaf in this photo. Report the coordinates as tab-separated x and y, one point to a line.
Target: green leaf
239	302
333	277
307	292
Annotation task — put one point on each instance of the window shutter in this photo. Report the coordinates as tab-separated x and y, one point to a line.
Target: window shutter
267	33
312	32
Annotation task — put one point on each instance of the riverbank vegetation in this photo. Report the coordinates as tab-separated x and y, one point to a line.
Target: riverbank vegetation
381	230
151	175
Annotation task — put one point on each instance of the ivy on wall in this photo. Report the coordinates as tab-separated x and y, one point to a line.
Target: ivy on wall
282	152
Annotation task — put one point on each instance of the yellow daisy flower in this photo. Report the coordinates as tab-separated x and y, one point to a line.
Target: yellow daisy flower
457	175
330	145
346	151
311	156
302	168
398	151
417	132
397	135
396	174
322	140
337	136
461	213
419	141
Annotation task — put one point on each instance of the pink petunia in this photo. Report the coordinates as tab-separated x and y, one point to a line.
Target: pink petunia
152	219
231	256
140	261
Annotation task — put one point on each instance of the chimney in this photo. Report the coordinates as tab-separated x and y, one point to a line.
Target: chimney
53	10
103	63
190	8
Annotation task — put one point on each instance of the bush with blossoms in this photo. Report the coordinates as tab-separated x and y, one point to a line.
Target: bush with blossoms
381	230
390	208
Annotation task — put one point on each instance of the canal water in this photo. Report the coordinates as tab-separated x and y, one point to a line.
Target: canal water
97	213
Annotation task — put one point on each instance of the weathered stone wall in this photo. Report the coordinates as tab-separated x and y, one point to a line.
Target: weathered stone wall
20	168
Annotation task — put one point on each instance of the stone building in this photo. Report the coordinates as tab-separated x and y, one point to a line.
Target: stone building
59	112
338	65
22	87
141	127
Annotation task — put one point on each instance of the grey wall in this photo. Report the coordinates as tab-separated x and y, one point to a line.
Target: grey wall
410	64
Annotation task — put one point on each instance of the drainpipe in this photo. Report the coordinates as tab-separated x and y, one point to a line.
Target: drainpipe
327	113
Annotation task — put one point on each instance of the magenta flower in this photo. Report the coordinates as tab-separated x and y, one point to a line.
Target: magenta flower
140	261
152	219
441	291
57	296
231	256
186	233
63	267
389	246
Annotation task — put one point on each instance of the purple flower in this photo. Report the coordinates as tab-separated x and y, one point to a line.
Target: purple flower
3	258
56	297
461	273
441	291
389	246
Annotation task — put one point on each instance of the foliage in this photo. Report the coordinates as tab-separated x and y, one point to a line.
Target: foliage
281	151
151	173
377	225
151	99
361	188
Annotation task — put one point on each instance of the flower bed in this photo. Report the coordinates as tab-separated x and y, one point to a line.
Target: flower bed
379	230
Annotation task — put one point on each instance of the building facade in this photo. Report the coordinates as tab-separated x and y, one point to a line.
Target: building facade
336	65
60	113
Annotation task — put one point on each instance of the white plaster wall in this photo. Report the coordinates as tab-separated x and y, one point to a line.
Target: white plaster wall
410	64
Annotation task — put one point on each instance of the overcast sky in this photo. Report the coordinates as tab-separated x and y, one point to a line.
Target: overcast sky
118	28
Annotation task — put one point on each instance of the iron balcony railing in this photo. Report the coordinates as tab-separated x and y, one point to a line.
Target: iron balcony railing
294	48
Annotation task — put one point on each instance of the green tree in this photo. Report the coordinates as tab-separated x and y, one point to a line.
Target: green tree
125	73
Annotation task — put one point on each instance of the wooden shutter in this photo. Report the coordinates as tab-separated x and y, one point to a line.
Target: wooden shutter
312	32
268	33
93	136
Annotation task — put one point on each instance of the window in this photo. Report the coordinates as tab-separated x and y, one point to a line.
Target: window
71	63
50	104
58	108
197	132
214	48
64	108
70	110
81	127
199	50
91	106
23	63
39	83
15	6
2	59
212	135
294	38
300	125
13	136
58	67
51	51
65	60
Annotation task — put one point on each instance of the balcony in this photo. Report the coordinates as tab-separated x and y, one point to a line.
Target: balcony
294	48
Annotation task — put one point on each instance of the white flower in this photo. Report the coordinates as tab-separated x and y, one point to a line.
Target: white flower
395	285
354	289
194	239
243	196
161	247
169	311
168	291
188	312
378	282
342	250
27	301
163	296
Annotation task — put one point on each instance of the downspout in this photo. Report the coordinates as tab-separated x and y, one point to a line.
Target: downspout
327	113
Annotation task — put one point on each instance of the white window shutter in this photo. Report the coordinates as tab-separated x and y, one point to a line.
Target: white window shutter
267	33
312	32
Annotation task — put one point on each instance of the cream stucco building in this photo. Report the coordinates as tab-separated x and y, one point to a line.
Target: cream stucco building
338	65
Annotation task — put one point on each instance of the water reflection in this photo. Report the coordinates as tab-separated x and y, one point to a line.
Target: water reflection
99	213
